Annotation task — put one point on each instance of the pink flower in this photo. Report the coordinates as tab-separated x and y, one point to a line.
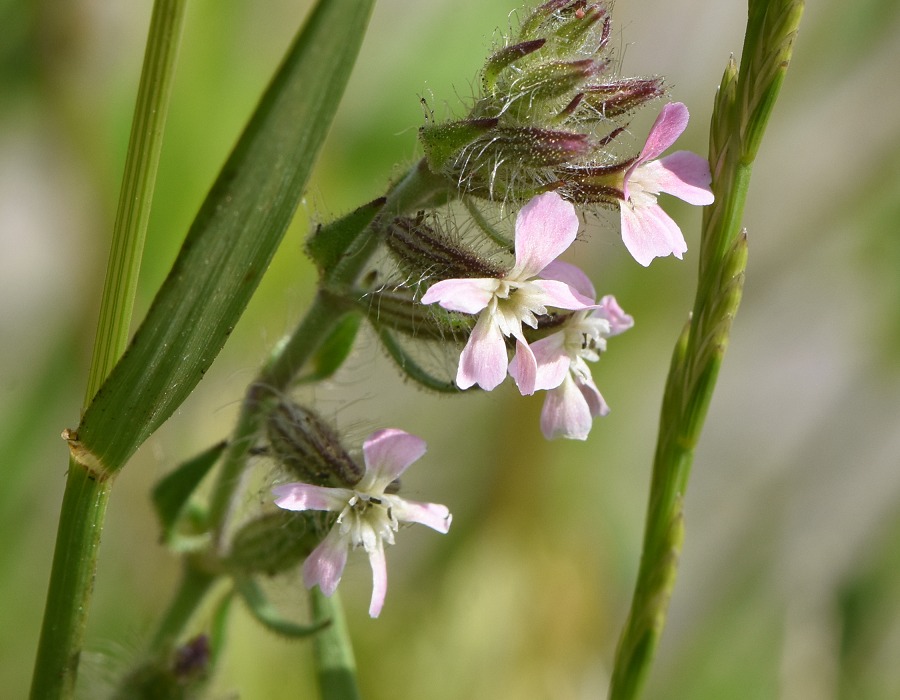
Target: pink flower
648	232
368	516
545	227
573	400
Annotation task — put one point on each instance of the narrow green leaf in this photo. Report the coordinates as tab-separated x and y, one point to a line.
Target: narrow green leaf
266	614
335	349
173	492
231	240
331	241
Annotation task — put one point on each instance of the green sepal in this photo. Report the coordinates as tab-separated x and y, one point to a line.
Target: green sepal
272	543
173	492
335	349
443	142
268	616
332	241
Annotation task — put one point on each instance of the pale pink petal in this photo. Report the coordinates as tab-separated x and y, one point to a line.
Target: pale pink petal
648	232
387	454
669	125
466	295
325	564
545	227
552	361
592	396
525	369
300	496
483	361
619	321
684	175
379	579
572	275
433	515
566	413
561	295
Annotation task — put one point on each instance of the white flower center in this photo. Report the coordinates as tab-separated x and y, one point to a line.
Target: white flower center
367	519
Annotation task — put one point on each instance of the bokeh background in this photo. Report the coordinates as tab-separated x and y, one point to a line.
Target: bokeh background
789	584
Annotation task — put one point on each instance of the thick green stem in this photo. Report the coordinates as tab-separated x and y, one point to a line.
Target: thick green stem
71	583
88	486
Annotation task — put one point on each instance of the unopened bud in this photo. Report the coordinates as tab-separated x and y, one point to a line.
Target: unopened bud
305	445
403	313
619	97
599	184
549	81
424	253
443	142
506	57
273	543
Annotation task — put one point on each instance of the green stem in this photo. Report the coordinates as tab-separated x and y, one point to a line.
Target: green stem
71	583
195	584
333	652
87	488
138	182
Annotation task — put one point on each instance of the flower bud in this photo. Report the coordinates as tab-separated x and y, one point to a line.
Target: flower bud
619	97
272	543
302	443
403	313
598	184
505	57
546	104
444	142
423	252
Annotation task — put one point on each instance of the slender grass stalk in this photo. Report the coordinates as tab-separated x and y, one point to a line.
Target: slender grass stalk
87	490
743	105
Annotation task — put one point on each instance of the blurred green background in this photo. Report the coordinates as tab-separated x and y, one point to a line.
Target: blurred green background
790	578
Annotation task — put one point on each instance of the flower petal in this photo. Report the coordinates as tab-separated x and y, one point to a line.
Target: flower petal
545	227
560	294
572	275
387	454
483	361
325	564
433	515
595	401
619	321
300	496
669	125
566	413
648	232
552	361
466	295
379	579
684	175
525	369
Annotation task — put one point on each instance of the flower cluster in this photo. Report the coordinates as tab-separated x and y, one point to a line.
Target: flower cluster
540	137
